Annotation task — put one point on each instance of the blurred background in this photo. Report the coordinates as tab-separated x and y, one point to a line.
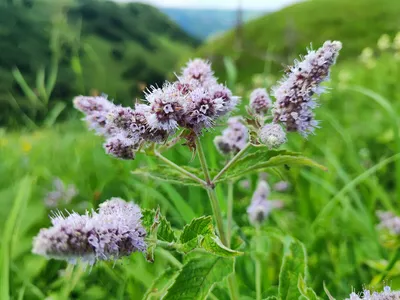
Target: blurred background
52	50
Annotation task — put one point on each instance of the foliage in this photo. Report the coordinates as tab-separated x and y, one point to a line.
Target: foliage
135	42
275	39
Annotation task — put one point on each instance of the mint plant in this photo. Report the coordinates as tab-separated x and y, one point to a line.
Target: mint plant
185	110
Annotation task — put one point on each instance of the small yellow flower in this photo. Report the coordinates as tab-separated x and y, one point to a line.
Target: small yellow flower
26	146
3	142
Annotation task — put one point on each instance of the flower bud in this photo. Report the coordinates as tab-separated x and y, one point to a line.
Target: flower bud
272	135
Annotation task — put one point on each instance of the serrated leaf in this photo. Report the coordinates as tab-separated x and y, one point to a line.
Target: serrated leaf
213	244
164	229
167	174
294	264
160	285
200	233
199	226
198	276
263	159
307	292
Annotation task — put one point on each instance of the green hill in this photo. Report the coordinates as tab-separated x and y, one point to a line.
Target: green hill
101	46
278	37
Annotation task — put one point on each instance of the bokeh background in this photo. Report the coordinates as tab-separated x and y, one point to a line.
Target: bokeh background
51	51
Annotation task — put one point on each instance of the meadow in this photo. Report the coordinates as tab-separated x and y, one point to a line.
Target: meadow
324	243
333	212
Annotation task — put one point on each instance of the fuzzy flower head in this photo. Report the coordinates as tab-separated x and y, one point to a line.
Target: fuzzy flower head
260	102
166	107
294	103
229	101
272	135
389	221
121	147
201	110
199	70
386	294
260	206
112	232
60	193
96	110
233	138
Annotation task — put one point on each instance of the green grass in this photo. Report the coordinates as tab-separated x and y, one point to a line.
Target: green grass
283	35
332	212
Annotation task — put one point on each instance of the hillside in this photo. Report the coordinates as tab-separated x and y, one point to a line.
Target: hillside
203	23
100	46
282	35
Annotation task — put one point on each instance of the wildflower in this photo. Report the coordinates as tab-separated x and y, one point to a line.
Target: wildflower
386	294
60	193
233	138
260	102
120	146
112	232
294	94
166	107
201	110
272	135
384	42
389	221
367	57
96	110
199	70
260	206
281	186
229	102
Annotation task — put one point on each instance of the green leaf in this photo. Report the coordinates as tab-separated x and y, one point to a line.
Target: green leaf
307	292
263	159
167	174
294	264
213	244
15	215
200	233
160	285
199	275
198	226
154	220
330	297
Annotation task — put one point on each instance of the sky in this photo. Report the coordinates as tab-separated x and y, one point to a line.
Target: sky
220	4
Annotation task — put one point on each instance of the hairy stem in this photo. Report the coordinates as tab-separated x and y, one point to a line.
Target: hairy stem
203	161
231	163
229	223
182	170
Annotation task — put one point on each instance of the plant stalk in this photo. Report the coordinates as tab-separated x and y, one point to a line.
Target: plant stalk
182	170
231	163
229	223
210	187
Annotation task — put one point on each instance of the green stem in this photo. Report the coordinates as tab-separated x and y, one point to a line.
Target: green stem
182	170
233	291
203	161
258	265
229	214
231	163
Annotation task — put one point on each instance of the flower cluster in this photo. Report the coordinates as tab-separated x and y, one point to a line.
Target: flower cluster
233	138
260	206
60	193
272	135
389	221
195	101
294	103
96	110
112	232
386	294
260	102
